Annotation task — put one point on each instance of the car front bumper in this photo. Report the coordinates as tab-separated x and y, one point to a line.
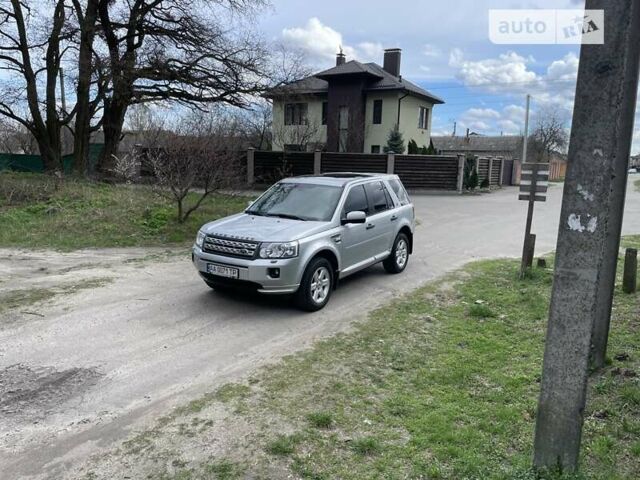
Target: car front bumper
254	274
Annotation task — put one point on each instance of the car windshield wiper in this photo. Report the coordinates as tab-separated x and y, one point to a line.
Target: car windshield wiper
286	215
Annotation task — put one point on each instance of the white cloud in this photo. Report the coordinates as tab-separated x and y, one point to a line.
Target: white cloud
370	51
318	41
431	51
508	68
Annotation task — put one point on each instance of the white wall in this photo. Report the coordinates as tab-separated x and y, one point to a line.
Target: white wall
409	115
374	134
378	134
290	134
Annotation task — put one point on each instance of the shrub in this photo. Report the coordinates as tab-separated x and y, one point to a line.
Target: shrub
395	142
481	311
320	419
366	446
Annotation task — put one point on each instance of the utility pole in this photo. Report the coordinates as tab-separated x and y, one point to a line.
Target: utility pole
599	148
62	94
526	131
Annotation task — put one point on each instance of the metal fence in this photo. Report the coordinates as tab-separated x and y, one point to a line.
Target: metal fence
417	172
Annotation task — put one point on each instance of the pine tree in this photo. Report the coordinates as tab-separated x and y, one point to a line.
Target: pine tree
395	142
431	150
412	147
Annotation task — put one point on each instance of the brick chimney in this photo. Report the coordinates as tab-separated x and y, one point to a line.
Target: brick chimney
340	58
391	63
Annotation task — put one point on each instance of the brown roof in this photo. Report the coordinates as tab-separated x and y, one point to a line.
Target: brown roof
381	80
478	143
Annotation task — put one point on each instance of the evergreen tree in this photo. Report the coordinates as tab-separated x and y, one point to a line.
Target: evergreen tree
431	150
395	142
412	147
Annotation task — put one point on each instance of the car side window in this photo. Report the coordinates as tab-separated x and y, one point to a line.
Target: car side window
378	197
356	201
400	192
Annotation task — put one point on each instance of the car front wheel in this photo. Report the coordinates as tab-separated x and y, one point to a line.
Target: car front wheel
316	285
397	261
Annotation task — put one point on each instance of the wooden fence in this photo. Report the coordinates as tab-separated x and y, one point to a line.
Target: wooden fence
417	172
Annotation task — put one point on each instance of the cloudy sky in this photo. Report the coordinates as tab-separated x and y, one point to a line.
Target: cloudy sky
445	49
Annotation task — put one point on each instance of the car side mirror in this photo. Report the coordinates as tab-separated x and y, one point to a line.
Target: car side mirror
356	216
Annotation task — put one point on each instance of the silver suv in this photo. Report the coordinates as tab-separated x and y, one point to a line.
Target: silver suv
305	233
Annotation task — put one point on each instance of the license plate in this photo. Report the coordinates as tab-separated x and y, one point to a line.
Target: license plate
222	271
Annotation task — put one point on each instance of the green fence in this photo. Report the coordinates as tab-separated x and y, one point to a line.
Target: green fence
33	163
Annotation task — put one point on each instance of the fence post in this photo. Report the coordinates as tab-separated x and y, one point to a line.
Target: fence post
501	181
630	276
317	162
391	162
461	172
490	173
251	165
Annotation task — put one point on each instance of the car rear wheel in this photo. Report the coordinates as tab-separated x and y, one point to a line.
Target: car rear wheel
316	285
397	261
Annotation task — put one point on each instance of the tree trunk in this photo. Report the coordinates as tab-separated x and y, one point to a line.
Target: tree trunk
51	157
82	134
180	209
113	120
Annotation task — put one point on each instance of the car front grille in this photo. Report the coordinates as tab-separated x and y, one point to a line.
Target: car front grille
230	247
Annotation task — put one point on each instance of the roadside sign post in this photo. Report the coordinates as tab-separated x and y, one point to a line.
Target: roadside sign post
599	148
534	182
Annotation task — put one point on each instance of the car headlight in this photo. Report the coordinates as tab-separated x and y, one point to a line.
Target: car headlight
279	250
200	239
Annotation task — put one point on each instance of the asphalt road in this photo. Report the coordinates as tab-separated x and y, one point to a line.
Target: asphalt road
88	369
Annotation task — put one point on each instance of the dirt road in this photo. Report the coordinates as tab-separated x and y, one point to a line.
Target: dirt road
89	366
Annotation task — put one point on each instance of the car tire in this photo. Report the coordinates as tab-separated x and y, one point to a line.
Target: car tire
397	261
316	285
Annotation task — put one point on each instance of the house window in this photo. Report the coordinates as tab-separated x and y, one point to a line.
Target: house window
423	119
377	112
295	114
343	126
375	148
325	107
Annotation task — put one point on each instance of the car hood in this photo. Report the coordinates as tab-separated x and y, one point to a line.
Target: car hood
264	229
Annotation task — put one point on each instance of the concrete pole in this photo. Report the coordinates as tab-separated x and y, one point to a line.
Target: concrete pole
391	162
63	96
317	162
600	141
526	131
461	162
251	166
630	277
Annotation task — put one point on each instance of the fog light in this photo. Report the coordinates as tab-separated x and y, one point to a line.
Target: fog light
273	272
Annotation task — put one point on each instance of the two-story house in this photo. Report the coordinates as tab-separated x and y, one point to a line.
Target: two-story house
351	107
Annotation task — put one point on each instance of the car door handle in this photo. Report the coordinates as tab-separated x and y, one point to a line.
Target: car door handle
370	226
394	218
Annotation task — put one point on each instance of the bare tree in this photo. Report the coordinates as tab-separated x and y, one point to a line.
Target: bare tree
32	45
202	158
549	135
177	50
15	138
258	124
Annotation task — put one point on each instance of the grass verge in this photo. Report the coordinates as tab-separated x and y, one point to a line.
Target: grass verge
637	184
23	298
441	384
37	212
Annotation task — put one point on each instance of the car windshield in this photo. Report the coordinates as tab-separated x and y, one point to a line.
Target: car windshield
298	201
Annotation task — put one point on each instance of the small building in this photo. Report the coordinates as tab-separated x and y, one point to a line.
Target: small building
351	107
507	146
